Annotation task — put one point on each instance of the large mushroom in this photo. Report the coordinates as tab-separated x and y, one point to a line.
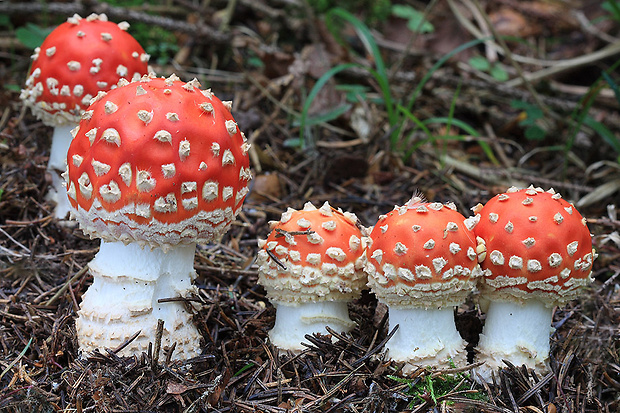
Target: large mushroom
539	253
422	262
77	60
311	265
155	166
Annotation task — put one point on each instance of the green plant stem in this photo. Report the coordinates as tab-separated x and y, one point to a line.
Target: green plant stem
21	354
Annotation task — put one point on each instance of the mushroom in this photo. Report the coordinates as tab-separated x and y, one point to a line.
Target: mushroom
156	166
539	255
311	265
422	262
77	60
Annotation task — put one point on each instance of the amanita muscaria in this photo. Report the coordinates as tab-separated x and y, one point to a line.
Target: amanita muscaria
539	253
77	60
422	262
155	166
311	265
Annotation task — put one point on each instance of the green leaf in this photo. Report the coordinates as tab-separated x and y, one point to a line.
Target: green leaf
532	111
480	63
520	104
403	11
31	35
535	133
498	73
5	21
417	22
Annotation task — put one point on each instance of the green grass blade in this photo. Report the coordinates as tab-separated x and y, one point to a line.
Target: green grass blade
20	355
607	135
364	34
392	114
314	92
409	115
379	72
438	64
613	85
453	122
335	113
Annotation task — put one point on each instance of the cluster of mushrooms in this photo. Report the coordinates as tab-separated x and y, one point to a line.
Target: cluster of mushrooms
155	166
525	250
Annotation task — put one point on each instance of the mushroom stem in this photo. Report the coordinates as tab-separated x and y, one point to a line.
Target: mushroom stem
425	337
128	281
293	322
56	165
515	332
61	140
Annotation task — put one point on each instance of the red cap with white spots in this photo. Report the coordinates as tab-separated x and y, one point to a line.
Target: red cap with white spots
157	161
423	255
77	60
538	246
313	255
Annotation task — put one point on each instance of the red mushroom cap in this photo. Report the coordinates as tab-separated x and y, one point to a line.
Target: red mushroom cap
157	161
538	246
319	253
423	255
77	60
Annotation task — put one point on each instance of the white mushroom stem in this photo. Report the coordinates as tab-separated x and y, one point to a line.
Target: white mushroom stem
425	337
515	332
128	281
61	140
293	322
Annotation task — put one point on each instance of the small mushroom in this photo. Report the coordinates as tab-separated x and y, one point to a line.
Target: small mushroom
77	60
311	265
539	254
144	176
422	262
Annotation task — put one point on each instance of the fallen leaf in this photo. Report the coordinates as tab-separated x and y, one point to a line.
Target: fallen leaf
175	388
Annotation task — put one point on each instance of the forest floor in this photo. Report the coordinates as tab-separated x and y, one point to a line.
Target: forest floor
528	99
